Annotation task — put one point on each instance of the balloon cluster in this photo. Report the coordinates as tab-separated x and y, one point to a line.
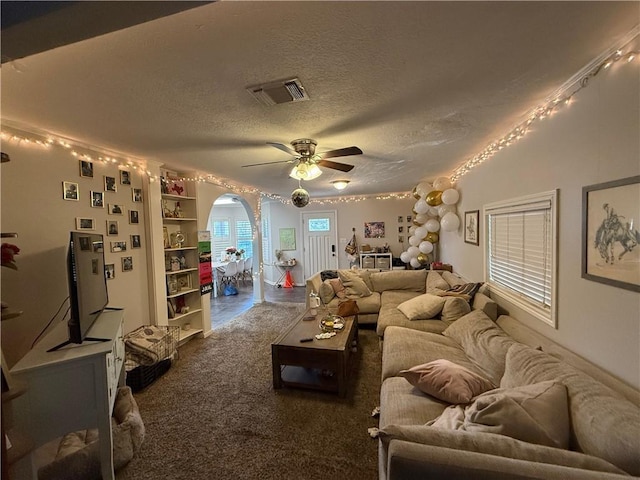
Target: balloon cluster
434	210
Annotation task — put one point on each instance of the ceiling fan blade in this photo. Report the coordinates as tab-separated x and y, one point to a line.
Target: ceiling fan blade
343	167
341	152
268	163
283	147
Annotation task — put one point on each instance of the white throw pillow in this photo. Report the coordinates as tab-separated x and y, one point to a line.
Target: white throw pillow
422	307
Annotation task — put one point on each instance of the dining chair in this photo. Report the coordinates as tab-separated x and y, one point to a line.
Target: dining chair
240	270
229	274
248	269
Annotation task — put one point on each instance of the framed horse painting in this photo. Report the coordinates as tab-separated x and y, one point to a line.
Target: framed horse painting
610	238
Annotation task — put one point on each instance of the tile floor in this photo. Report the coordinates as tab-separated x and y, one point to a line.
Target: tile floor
224	308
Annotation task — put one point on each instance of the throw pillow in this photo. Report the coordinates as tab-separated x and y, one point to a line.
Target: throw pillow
537	413
353	284
422	307
447	381
435	282
454	308
325	292
338	287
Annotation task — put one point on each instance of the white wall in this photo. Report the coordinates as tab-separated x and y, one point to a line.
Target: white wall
33	206
594	140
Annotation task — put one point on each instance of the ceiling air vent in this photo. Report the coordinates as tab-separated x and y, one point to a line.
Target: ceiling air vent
284	91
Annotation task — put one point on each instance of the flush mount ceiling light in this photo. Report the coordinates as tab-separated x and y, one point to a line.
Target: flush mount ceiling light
305	171
340	184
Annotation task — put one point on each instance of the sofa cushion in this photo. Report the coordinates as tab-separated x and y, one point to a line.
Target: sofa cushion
484	303
451	278
414	280
484	342
366	277
454	308
604	424
536	413
353	284
326	292
490	444
402	404
369	304
435	282
404	348
447	381
390	316
422	307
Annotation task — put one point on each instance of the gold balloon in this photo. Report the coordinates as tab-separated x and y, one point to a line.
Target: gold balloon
434	198
414	211
415	193
432	237
417	223
423	258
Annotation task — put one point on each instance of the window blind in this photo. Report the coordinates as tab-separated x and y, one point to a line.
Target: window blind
266	238
220	238
244	237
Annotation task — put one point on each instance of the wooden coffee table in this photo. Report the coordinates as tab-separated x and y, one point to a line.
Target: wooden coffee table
318	364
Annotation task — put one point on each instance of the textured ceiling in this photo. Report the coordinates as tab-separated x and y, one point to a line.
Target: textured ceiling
420	87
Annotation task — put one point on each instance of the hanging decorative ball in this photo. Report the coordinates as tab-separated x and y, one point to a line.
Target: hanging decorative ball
300	197
434	198
432	237
423	258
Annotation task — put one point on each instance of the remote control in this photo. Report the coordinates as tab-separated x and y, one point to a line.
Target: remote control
302	340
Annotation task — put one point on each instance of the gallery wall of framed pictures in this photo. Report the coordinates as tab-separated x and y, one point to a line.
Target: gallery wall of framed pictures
115	199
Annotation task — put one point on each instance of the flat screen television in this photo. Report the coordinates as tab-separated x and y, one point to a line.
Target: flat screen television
88	296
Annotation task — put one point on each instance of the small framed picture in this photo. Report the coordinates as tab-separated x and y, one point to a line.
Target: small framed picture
112	227
85	244
110	184
110	271
127	264
400	229
400	218
137	194
70	191
97	199
135	241
125	177
86	169
85	223
172	285
184	282
118	247
115	209
400	239
133	217
471	220
408	218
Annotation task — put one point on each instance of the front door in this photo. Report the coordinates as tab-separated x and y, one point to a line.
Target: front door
320	238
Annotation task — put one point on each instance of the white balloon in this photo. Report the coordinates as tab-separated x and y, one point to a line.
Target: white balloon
414	263
426	247
450	196
423	188
421	206
422	218
413	251
432	225
405	257
421	232
414	240
412	230
450	222
442	184
444	209
433	211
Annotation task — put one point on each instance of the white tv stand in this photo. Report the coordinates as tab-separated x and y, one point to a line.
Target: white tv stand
72	388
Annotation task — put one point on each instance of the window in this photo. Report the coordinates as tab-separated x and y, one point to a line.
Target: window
266	239
220	237
244	237
319	225
521	253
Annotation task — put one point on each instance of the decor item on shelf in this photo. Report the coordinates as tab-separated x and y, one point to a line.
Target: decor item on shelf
177	239
280	255
165	235
300	197
177	212
166	211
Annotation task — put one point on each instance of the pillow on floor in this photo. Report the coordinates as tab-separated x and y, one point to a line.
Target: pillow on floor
447	381
422	307
536	413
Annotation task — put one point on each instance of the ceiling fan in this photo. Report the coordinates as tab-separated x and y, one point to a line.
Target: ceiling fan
307	160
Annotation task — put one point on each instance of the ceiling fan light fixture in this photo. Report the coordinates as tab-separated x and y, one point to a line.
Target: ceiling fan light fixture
340	184
303	171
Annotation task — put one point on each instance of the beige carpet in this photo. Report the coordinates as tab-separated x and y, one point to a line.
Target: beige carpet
215	415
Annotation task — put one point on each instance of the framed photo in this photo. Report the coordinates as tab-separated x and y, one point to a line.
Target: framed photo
127	264
471	227
287	239
115	209
97	199
70	191
134	217
374	230
109	271
400	218
610	238
118	247
125	177
400	229
408	218
137	194
86	169
135	241
400	239
112	227
172	285
85	244
184	282
110	184
85	223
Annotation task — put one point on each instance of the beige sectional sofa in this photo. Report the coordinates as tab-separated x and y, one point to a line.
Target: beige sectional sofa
378	295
